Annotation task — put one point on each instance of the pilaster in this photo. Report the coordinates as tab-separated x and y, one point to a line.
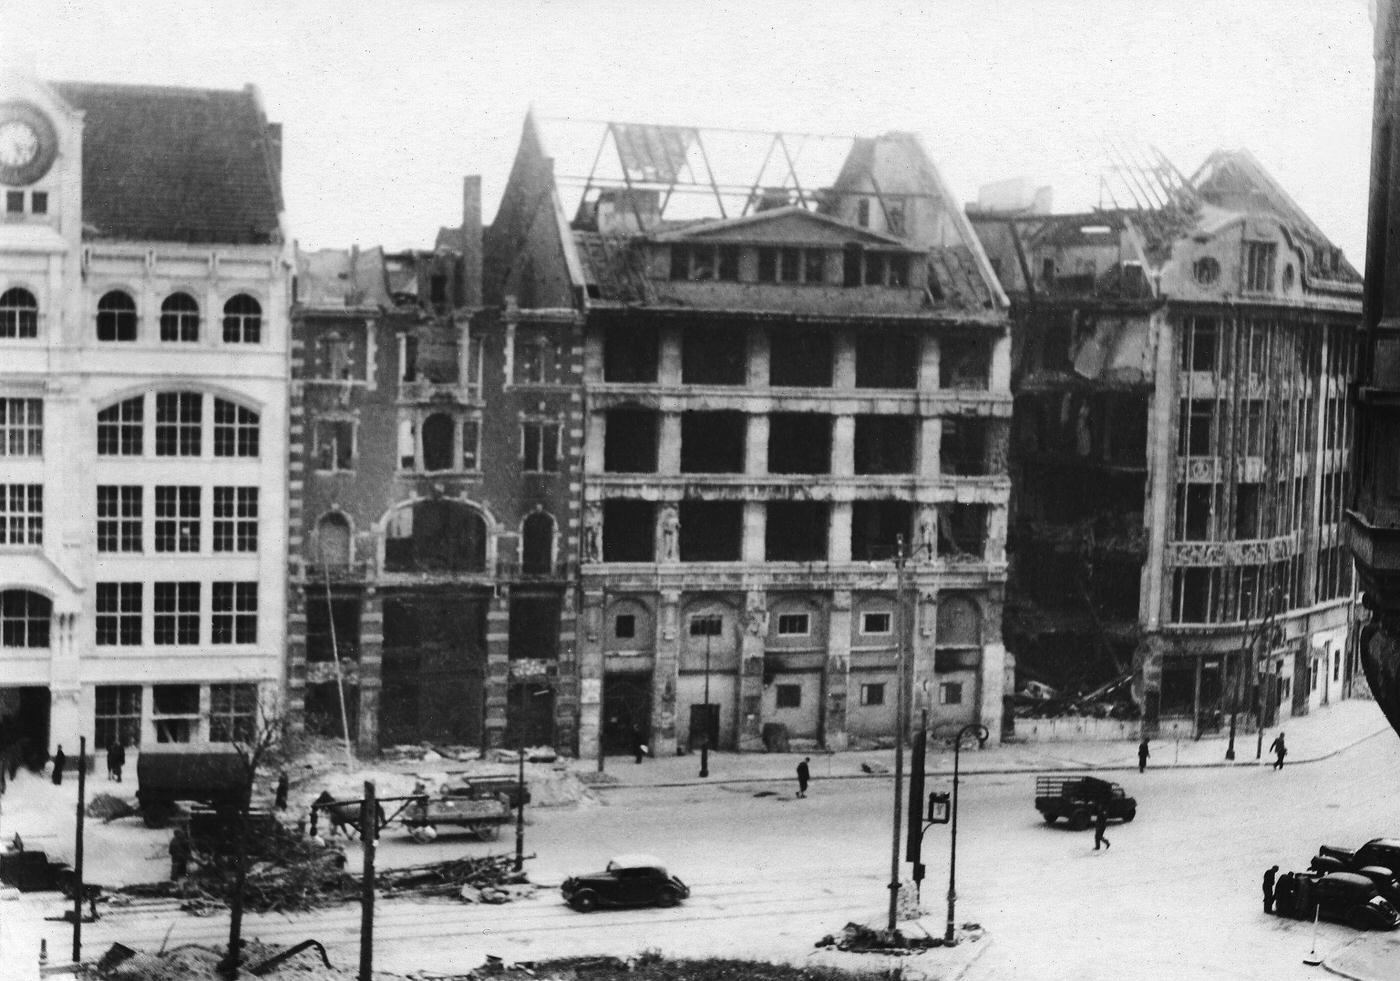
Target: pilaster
497	679
371	671
843	446
755	531
663	679
751	671
668	452
838	539
838	671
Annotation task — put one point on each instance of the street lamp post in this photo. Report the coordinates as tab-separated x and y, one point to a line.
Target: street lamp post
705	739
900	726
949	939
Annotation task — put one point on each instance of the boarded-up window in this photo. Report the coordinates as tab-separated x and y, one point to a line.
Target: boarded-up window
333	540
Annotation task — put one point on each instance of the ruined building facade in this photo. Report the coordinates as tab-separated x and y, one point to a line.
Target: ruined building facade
1182	448
434	467
143	344
775	398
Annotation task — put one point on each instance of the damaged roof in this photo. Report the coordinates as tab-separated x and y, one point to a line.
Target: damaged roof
177	164
342	278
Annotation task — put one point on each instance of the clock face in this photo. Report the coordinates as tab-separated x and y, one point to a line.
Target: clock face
19	144
28	143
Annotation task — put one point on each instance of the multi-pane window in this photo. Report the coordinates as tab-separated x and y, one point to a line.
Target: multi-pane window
242	320
118	518
179	419
532	362
175	712
540	444
19	314
1259	266
233	713
705	262
177	519
179	318
235	519
21	427
334	448
21	514
793	624
116	317
791	265
118	715
176	613
706	625
875	623
873	693
234	613
471	444
119	428
118	613
950	693
24	618
235	429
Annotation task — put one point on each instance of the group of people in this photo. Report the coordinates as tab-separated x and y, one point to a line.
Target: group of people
116	761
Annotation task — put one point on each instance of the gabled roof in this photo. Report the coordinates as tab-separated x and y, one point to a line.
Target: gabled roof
791	223
174	164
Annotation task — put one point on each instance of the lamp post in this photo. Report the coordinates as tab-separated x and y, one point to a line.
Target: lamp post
900	727
982	736
705	740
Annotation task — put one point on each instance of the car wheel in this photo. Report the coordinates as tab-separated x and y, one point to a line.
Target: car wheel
1357	918
1050	818
1128	816
667	898
585	902
1079	820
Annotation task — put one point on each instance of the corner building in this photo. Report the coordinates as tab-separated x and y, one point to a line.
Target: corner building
143	335
787	374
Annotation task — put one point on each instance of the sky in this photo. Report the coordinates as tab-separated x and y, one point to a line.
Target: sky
385	106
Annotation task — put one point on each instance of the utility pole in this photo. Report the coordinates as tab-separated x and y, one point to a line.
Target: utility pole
711	628
78	854
520	805
369	834
900	726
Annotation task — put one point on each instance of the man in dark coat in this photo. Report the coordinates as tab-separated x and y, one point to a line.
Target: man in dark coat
1100	826
1143	754
59	761
1279	750
804	776
1270	874
116	759
639	744
179	854
280	801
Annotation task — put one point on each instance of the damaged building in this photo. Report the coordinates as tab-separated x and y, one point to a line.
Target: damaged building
431	467
788	374
1181	448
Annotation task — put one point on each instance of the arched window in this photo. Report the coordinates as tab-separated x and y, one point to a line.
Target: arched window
235	429
19	313
179	318
24	618
437	442
119	428
333	540
116	317
435	535
242	320
537	545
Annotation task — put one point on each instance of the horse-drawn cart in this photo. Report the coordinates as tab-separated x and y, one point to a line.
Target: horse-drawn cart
423	815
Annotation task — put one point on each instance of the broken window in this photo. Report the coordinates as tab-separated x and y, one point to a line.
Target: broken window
962	530
788	696
1199	343
1197	433
625	626
630	441
1192	595
534	627
887	359
537	545
1125	437
333	540
630	354
884	444
964	363
813	266
704	262
853	265
958	644
1259	260
629	531
796	531
799	442
437	442
1247	512
233	713
713	442
539	442
333	628
1197	507
175	712
408	349
963	452
714	355
435	534
471	444
950	693
334	444
1253	427
872	694
767	265
876	527
799	357
711	531
532	361
321	704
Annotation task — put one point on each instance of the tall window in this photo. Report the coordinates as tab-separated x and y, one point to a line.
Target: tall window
21	514
242	320
437	442
118	613
116	317
235	429
179	418
540	444
179	318
334	448
233	713
175	712
532	361
118	715
19	314
235	613
24	619
21	427
471	444
177	519
235	519
1259	266
119	428
176	613
119	518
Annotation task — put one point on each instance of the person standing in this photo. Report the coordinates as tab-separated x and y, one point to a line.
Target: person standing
283	784
1279	750
1270	874
179	854
116	759
1143	754
639	744
59	761
1100	826
804	776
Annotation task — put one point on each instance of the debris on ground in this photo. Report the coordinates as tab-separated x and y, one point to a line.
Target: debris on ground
489	879
109	808
869	767
868	940
194	962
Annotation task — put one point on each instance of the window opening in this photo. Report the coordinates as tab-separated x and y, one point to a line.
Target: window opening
540	445
19	314
119	518
875	623
872	694
179	318
177	519
117	718
242	320
175	712
234	613
235	430
21	427
437	442
235	519
179	420
176	613
335	445
788	696
119	428
118	613
24	618
794	624
116	317
625	626
21	514
233	713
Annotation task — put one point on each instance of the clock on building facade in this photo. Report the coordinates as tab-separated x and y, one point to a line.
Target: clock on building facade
28	144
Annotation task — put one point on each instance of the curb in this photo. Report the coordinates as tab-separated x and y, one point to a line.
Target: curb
995	771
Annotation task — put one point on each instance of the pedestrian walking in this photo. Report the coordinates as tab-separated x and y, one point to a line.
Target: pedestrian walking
116	759
804	776
1279	750
1270	874
179	854
1100	826
59	761
639	744
1143	754
280	801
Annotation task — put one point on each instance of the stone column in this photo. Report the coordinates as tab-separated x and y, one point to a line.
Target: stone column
843	446
593	356
593	443
590	671
756	446
838	671
668	451
669	369
664	674
760	354
930	464
844	346
999	370
928	362
371	671
755	531
751	671
497	678
838	539
923	639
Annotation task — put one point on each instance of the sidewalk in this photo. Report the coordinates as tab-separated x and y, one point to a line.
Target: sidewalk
1323	733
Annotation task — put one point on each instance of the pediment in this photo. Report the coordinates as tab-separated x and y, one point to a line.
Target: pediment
781	226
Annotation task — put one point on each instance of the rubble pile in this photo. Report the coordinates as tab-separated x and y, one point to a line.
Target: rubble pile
192	962
868	940
489	879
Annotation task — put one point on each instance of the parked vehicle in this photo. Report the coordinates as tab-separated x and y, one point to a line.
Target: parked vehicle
1077	798
1343	897
456	807
628	880
1377	853
171	774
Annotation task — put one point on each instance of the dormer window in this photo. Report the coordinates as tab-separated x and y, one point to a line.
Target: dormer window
886	269
1259	266
705	262
791	265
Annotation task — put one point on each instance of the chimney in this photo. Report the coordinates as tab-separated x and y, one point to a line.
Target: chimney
471	241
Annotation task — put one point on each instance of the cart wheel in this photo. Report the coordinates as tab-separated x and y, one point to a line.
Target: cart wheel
1079	819
585	902
1050	818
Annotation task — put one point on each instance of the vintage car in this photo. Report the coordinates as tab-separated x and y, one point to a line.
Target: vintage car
1343	897
1078	798
1376	853
629	880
